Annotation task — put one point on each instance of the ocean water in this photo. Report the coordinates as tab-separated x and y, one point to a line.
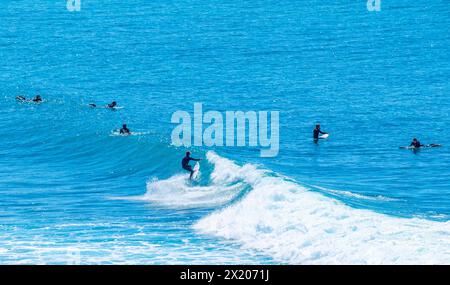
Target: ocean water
72	192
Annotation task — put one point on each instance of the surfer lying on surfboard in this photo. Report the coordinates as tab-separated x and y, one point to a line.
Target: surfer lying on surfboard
415	144
185	163
318	131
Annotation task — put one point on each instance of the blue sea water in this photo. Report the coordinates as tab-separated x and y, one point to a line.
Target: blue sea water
71	192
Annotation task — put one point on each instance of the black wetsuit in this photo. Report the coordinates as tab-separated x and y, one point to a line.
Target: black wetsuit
125	131
185	163
416	144
316	133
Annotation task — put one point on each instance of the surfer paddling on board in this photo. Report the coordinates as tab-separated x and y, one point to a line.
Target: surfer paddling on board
415	144
185	163
124	130
317	131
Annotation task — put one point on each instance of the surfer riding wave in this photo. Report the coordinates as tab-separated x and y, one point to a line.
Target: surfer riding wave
185	163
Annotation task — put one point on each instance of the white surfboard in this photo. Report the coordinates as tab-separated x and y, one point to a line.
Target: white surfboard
117	133
196	171
407	147
324	136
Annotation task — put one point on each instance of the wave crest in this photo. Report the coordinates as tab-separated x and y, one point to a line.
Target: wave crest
294	225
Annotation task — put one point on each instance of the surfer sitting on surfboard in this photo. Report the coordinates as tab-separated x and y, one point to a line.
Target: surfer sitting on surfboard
317	131
185	163
124	130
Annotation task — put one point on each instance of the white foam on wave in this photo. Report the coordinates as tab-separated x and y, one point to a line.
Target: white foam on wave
178	192
136	246
356	195
294	225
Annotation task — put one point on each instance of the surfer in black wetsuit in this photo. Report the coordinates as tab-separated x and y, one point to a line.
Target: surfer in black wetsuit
185	163
317	131
416	143
124	130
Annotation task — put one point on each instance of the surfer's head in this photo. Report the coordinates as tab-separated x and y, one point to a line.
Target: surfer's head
124	126
188	153
414	139
317	126
113	104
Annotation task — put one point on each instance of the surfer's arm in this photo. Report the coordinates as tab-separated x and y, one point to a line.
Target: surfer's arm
194	159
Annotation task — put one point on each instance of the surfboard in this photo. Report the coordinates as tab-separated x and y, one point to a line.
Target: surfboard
324	136
117	133
407	147
196	171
